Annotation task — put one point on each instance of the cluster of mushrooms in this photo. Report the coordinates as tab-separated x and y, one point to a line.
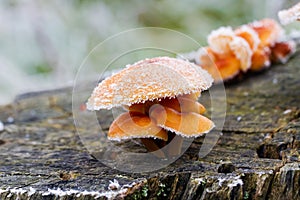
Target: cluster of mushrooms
160	97
250	47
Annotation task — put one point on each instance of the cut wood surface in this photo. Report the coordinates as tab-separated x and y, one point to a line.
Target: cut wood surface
256	157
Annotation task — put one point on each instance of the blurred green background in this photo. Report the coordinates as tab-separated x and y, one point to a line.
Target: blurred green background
44	42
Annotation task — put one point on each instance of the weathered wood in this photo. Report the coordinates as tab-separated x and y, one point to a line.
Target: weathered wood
257	157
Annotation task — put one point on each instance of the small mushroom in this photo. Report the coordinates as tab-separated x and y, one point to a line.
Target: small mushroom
170	83
135	125
230	54
242	51
282	51
249	47
219	40
188	124
261	59
183	103
290	15
221	67
249	35
270	33
132	125
268	30
236	57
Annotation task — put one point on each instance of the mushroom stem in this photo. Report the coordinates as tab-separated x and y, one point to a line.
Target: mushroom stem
153	147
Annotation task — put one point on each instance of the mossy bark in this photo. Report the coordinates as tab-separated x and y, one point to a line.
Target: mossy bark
257	156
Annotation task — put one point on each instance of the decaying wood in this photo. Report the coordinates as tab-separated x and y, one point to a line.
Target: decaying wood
257	156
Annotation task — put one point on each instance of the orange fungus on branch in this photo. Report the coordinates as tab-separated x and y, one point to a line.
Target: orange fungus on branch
249	47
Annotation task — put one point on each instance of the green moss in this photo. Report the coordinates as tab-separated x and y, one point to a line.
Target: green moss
139	194
161	190
246	195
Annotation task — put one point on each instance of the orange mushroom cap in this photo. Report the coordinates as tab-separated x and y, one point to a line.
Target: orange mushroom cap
188	124
219	40
268	30
135	125
223	42
181	103
282	51
261	59
249	35
242	52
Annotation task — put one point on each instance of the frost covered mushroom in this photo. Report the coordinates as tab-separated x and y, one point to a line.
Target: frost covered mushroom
221	67
269	33
274	45
249	35
227	54
268	30
282	51
160	95
249	47
290	15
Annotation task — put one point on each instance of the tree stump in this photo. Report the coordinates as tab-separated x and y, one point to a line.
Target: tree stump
257	156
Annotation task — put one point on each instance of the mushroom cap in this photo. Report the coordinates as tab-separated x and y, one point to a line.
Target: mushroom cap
149	80
219	40
224	41
249	35
268	30
187	124
290	15
242	51
135	125
220	67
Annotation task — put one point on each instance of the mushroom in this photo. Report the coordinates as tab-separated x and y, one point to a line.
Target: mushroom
221	67
249	35
282	51
219	40
273	44
290	15
229	53
261	59
249	47
140	126
268	30
170	84
187	124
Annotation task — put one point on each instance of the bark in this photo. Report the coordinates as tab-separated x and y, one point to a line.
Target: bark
257	156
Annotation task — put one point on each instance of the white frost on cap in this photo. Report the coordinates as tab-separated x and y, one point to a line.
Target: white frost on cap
290	15
252	33
149	80
242	51
203	53
219	39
